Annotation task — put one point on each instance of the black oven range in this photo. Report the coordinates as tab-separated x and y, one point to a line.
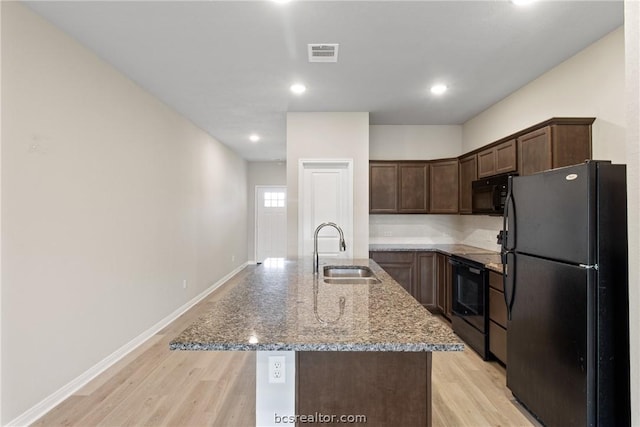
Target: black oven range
469	303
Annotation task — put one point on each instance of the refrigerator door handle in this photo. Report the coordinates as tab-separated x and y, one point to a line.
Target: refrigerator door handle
508	281
509	234
508	220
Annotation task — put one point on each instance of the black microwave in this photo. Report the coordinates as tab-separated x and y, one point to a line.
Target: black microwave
489	194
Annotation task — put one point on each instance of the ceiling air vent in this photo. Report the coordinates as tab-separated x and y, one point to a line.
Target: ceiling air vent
323	52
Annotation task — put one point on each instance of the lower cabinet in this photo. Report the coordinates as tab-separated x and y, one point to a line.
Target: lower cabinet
425	275
444	285
400	265
497	318
427	279
448	268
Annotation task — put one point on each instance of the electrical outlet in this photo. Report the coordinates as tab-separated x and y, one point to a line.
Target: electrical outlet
184	284
276	369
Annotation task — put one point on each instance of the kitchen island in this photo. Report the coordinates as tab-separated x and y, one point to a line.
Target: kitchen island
358	349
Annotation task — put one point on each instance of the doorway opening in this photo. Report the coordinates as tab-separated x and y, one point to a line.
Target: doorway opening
271	222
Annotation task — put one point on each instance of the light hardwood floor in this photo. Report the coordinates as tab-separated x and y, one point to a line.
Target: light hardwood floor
153	386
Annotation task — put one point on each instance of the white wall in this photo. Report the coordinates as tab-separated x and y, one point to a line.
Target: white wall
330	136
632	49
260	173
589	84
109	200
1	327
400	142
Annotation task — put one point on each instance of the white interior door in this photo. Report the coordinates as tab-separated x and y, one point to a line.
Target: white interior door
271	222
326	195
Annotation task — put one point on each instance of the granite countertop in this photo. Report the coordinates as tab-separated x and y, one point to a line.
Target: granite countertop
281	305
490	259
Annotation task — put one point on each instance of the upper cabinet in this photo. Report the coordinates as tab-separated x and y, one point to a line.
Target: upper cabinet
413	179
468	174
554	146
398	187
498	159
383	187
443	186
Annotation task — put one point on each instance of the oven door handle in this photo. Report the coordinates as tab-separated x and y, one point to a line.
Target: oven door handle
467	267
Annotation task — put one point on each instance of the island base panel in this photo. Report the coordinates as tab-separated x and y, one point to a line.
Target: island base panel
389	388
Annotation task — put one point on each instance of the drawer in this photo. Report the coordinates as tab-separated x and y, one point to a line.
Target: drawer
392	257
498	341
497	307
495	281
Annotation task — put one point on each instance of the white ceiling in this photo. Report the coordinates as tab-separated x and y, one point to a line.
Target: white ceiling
227	65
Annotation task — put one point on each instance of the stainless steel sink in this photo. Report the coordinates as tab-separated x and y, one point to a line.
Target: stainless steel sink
349	275
352	281
347	271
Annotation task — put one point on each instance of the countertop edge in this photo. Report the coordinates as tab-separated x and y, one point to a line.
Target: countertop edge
448	249
318	347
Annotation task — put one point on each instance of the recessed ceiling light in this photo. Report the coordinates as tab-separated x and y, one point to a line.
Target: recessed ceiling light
438	89
254	138
298	88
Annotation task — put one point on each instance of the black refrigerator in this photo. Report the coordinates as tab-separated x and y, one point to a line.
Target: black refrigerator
566	289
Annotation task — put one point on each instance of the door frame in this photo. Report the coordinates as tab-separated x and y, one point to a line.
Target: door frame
255	215
326	162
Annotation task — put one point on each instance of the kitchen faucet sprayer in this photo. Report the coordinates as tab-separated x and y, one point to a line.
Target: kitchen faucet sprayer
342	244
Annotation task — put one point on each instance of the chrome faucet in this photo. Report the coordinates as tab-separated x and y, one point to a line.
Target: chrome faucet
343	246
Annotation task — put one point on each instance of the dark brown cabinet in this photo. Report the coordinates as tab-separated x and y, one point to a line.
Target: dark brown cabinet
383	187
443	186
468	174
444	285
498	159
425	275
427	279
554	146
497	318
448	283
398	187
400	265
413	187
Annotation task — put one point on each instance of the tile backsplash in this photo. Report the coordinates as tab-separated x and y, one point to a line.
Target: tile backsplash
480	231
473	230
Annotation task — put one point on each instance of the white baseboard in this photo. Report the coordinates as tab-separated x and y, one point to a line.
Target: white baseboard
51	401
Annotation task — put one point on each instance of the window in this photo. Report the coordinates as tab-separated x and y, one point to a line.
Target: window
274	200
